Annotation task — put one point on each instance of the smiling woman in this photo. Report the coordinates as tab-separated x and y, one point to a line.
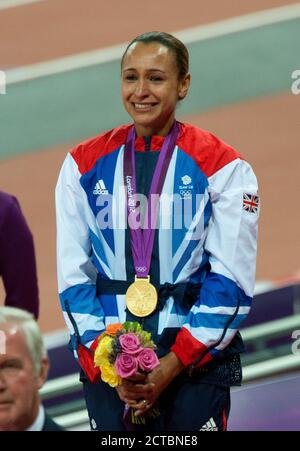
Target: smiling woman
191	286
154	77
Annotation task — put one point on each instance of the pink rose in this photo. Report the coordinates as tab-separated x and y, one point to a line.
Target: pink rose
126	365
147	360
130	343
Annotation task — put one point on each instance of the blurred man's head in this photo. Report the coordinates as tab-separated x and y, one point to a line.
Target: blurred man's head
23	369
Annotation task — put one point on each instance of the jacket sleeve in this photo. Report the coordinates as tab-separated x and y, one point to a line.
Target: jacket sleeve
17	261
226	294
82	311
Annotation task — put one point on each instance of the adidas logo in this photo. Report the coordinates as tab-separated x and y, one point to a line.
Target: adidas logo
210	425
100	188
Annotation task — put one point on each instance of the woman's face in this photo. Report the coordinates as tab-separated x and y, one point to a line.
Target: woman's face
150	87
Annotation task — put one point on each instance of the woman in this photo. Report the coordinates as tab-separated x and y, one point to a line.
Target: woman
202	267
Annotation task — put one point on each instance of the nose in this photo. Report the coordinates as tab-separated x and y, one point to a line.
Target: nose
141	88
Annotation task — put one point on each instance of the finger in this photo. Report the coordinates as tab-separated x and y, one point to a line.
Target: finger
133	383
143	388
142	405
130	402
142	408
138	390
121	394
138	377
134	397
139	404
122	397
135	404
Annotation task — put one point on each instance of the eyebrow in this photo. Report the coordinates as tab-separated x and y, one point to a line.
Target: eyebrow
148	70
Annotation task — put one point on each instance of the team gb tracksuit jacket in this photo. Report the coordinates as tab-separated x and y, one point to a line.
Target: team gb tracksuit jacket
93	241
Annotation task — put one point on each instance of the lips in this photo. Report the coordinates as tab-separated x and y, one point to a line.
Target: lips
143	107
5	406
5	403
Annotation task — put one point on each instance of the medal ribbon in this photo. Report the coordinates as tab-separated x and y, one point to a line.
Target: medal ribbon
142	240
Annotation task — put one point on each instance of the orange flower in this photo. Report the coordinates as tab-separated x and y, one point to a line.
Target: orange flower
112	329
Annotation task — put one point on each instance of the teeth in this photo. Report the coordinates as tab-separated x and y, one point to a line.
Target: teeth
142	106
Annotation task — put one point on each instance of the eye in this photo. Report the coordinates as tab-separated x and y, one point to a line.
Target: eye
10	367
130	77
156	78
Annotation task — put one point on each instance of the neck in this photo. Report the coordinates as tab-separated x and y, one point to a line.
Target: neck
151	130
32	415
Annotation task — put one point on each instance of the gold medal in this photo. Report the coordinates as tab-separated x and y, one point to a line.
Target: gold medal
141	297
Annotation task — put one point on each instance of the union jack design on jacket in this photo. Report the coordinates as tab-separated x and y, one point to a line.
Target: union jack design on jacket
222	258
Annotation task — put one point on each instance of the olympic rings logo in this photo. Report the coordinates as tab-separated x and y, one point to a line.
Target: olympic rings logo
141	268
185	193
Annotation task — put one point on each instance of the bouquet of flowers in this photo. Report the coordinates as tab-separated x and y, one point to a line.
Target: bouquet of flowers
123	350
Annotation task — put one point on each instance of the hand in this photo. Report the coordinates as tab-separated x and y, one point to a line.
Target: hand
151	386
134	388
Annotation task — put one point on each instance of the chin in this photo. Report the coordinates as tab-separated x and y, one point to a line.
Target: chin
5	423
149	121
146	119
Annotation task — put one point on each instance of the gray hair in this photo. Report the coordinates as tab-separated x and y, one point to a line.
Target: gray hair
31	330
